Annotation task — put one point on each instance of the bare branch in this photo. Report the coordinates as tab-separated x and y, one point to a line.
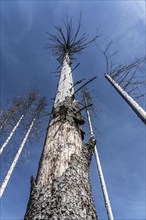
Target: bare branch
68	40
90	80
76	83
123	74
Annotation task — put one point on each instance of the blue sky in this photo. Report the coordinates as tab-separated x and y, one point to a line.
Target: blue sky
120	134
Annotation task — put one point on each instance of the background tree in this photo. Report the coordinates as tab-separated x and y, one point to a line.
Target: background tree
31	118
22	107
6	114
87	100
123	78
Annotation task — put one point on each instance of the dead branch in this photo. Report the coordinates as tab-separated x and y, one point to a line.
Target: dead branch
67	40
85	107
124	74
76	83
90	80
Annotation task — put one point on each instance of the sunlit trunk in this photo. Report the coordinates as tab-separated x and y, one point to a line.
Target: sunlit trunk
11	169
133	104
11	134
62	188
26	106
100	172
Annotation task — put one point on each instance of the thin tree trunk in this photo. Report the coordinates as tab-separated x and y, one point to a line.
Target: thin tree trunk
134	105
11	169
31	99
39	108
11	134
100	172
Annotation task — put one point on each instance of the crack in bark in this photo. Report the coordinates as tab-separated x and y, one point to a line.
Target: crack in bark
69	196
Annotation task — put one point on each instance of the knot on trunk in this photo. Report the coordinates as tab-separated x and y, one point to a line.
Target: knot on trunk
88	149
91	141
68	111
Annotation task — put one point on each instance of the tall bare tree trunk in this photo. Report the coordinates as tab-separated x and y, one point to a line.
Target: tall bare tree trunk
62	188
134	105
101	176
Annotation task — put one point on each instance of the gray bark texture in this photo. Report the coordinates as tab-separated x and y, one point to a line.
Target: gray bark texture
62	189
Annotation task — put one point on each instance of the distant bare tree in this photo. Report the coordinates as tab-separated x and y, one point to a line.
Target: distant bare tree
22	107
6	115
123	78
87	100
41	103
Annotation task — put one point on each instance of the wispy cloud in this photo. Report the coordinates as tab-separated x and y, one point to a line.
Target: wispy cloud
26	10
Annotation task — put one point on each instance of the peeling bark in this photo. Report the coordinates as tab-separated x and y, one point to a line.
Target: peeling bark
62	188
63	139
69	195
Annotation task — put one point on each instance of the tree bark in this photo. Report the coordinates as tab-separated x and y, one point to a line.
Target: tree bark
68	196
62	187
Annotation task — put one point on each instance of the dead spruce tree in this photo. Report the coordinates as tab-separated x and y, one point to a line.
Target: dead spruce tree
35	115
21	106
123	78
87	100
62	187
